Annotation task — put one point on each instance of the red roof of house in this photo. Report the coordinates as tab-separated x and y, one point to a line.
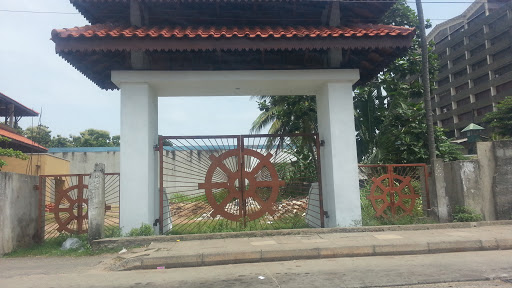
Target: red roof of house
113	31
18	139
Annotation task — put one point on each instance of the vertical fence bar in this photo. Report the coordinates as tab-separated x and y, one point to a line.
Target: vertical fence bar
241	161
80	201
161	183
319	172
391	189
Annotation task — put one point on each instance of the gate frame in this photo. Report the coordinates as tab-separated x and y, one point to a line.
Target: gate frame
240	146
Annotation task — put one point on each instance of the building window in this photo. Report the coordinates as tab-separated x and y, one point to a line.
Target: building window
442	34
461	88
463	102
457	46
498	23
483	96
446	108
458	60
481	80
504	87
501	55
477	50
468	116
479	64
444	96
443	68
483	110
474	19
500	38
459	74
441	55
447	121
503	70
443	81
477	36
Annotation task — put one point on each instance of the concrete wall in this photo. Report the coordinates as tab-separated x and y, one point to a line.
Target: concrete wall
483	184
37	164
503	179
18	211
82	160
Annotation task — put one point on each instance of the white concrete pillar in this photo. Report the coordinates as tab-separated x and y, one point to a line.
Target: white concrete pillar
340	181
139	177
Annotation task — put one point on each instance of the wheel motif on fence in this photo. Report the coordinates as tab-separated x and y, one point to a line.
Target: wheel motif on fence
70	210
241	185
385	191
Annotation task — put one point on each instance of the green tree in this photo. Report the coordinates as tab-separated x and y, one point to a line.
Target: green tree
403	138
60	141
116	140
9	152
502	118
40	134
288	115
92	138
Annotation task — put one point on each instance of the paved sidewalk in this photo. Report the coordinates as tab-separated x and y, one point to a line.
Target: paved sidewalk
176	251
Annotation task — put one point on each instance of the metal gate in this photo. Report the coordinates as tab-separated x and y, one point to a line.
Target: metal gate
240	182
63	203
395	190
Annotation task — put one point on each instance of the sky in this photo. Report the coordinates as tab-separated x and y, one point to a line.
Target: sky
34	75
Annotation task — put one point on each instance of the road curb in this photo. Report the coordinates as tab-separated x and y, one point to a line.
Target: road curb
145	241
224	258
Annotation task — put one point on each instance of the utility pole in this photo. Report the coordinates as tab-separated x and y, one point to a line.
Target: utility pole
425	79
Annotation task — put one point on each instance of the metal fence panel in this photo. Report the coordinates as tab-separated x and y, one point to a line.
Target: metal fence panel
234	183
395	190
64	200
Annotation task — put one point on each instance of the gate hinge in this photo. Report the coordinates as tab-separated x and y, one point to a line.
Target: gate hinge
326	214
322	143
157	221
36	187
156	148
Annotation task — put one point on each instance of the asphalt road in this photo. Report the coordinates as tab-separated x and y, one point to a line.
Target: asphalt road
469	269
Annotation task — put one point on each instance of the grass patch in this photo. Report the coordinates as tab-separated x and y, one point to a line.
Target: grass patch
465	214
222	225
182	198
51	247
143	230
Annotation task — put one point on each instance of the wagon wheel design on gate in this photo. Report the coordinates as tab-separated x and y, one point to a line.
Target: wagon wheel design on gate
235	181
70	210
384	191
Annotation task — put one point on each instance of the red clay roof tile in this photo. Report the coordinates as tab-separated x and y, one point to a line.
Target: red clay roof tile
113	31
22	140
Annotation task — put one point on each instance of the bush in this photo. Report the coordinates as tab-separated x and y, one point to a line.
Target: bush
144	230
465	214
113	232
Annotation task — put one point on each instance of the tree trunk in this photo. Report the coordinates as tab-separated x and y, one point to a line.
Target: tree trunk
425	79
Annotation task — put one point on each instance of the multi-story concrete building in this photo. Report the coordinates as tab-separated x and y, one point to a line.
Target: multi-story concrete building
475	60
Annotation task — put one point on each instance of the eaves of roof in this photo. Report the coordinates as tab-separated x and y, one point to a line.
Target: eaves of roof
18	139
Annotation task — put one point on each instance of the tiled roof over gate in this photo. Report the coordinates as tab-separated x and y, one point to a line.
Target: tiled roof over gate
113	31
